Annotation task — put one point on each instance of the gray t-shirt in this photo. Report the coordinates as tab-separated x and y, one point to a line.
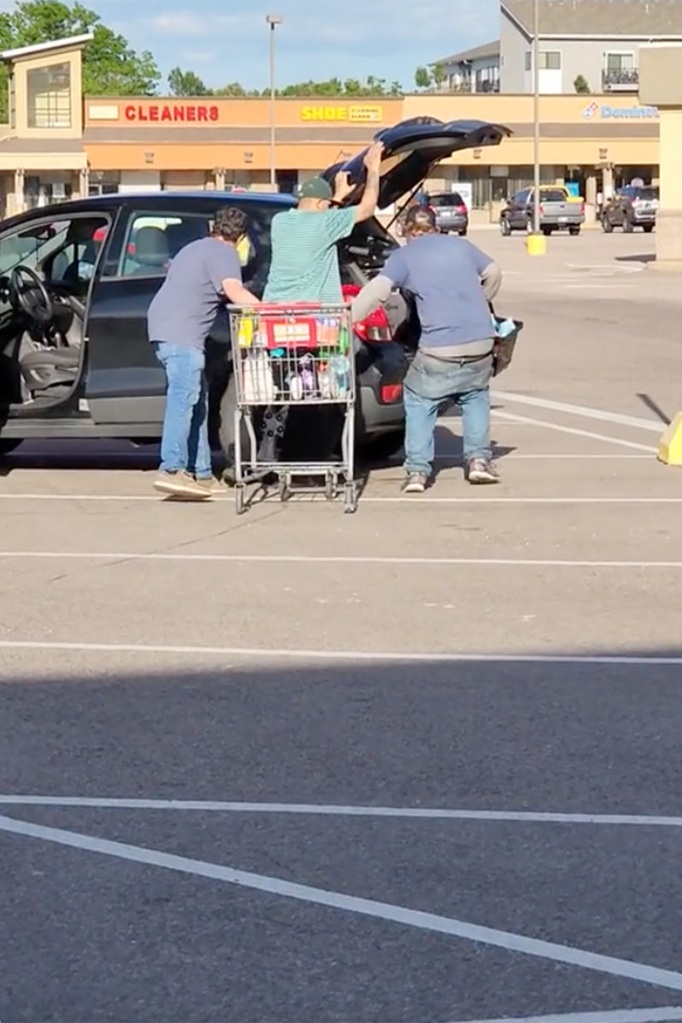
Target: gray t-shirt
443	274
185	308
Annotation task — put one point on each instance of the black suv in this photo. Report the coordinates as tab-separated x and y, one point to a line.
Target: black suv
76	280
631	207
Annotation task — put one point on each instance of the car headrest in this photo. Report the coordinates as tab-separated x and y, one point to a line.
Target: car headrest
151	246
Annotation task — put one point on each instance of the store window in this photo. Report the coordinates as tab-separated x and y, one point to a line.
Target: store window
46	189
49	96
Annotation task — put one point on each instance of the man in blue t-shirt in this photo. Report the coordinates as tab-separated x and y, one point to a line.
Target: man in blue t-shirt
201	278
452	283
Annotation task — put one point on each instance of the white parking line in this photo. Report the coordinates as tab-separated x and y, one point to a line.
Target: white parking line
482	501
221	653
666	1015
329	559
433	922
587	411
575	432
322	810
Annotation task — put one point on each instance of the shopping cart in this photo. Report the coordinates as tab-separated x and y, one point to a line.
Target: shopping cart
284	357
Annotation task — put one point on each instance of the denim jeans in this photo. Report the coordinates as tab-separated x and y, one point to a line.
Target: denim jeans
431	383
185	446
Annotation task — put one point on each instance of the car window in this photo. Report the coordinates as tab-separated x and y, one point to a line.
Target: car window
153	239
553	195
521	197
442	200
60	251
647	194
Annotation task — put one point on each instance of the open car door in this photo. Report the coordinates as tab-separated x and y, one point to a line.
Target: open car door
411	150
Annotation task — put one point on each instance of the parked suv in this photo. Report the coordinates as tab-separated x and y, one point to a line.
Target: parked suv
76	280
631	207
451	212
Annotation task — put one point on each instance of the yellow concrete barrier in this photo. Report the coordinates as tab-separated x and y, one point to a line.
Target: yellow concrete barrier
536	244
670	444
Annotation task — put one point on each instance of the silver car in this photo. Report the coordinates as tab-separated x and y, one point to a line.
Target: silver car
451	212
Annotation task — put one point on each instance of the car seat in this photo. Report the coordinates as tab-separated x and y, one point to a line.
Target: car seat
151	251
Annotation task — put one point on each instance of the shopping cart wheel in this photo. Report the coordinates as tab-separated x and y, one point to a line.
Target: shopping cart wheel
350	498
240	498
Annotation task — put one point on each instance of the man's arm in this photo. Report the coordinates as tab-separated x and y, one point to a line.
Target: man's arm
489	272
368	204
237	294
378	290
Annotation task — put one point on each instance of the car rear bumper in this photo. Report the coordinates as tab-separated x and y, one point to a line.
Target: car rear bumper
376	417
457	222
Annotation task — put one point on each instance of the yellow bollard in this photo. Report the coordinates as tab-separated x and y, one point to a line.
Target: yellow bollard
536	245
670	444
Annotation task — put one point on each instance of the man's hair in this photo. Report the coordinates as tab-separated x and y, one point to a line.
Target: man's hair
420	220
230	223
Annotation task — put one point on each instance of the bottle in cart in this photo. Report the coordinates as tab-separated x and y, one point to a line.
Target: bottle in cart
339	372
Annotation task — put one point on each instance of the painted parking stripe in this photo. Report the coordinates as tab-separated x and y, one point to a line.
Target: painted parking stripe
586	411
329	559
322	810
507	940
486	499
665	1015
222	653
576	432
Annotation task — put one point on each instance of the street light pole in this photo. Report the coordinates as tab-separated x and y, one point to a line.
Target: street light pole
273	20
536	117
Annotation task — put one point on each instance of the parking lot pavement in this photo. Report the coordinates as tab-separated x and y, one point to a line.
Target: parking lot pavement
415	765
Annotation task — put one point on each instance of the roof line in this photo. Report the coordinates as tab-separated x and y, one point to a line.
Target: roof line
53	44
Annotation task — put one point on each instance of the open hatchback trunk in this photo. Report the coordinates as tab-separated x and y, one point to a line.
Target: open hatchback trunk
411	150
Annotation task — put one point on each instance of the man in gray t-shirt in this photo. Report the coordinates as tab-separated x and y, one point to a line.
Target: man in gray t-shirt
202	276
452	284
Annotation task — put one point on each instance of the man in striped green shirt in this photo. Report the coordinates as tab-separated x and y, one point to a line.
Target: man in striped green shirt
305	262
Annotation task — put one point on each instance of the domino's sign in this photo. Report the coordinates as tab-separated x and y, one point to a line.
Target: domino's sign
606	112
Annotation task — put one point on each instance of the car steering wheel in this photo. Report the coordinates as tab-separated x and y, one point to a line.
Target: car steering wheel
29	293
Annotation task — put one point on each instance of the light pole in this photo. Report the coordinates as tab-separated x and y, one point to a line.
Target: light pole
537	247
273	21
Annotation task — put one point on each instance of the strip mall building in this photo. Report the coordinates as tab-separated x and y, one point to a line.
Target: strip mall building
59	145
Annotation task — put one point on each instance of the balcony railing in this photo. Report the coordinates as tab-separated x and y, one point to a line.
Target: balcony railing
480	86
620	80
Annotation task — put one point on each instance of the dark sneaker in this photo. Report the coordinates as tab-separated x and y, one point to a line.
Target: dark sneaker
482	470
181	486
415	483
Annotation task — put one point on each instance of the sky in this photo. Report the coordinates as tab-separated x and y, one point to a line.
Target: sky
227	40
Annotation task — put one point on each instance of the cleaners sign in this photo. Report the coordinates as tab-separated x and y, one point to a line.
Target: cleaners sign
606	112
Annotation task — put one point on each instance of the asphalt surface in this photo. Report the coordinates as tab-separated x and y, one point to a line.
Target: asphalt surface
415	765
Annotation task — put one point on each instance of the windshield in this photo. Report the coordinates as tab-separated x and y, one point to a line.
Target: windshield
647	194
553	195
32	246
448	199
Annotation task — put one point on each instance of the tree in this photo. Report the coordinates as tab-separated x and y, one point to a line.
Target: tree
351	88
438	75
186	83
422	78
581	85
110	66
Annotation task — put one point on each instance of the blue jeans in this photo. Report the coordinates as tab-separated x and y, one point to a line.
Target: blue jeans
431	383
185	446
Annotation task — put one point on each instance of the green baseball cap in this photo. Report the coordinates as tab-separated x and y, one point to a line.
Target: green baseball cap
315	188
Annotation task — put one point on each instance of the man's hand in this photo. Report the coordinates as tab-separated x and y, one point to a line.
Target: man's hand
342	186
373	157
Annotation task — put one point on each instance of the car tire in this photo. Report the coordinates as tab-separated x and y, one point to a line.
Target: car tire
606	225
505	227
547	231
383	447
648	228
8	446
463	233
575	231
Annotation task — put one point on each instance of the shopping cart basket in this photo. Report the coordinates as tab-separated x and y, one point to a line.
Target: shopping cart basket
285	357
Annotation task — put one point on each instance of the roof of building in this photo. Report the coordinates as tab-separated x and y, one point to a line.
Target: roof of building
54	45
593	18
477	53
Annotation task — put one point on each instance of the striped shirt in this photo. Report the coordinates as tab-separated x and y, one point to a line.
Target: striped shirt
305	262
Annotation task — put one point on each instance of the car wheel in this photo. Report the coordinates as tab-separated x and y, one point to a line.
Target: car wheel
574	231
8	446
648	228
547	231
383	447
463	233
505	227
606	225
226	432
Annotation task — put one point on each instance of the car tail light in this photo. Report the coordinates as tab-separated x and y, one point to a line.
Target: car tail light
391	393
541	210
375	327
460	209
